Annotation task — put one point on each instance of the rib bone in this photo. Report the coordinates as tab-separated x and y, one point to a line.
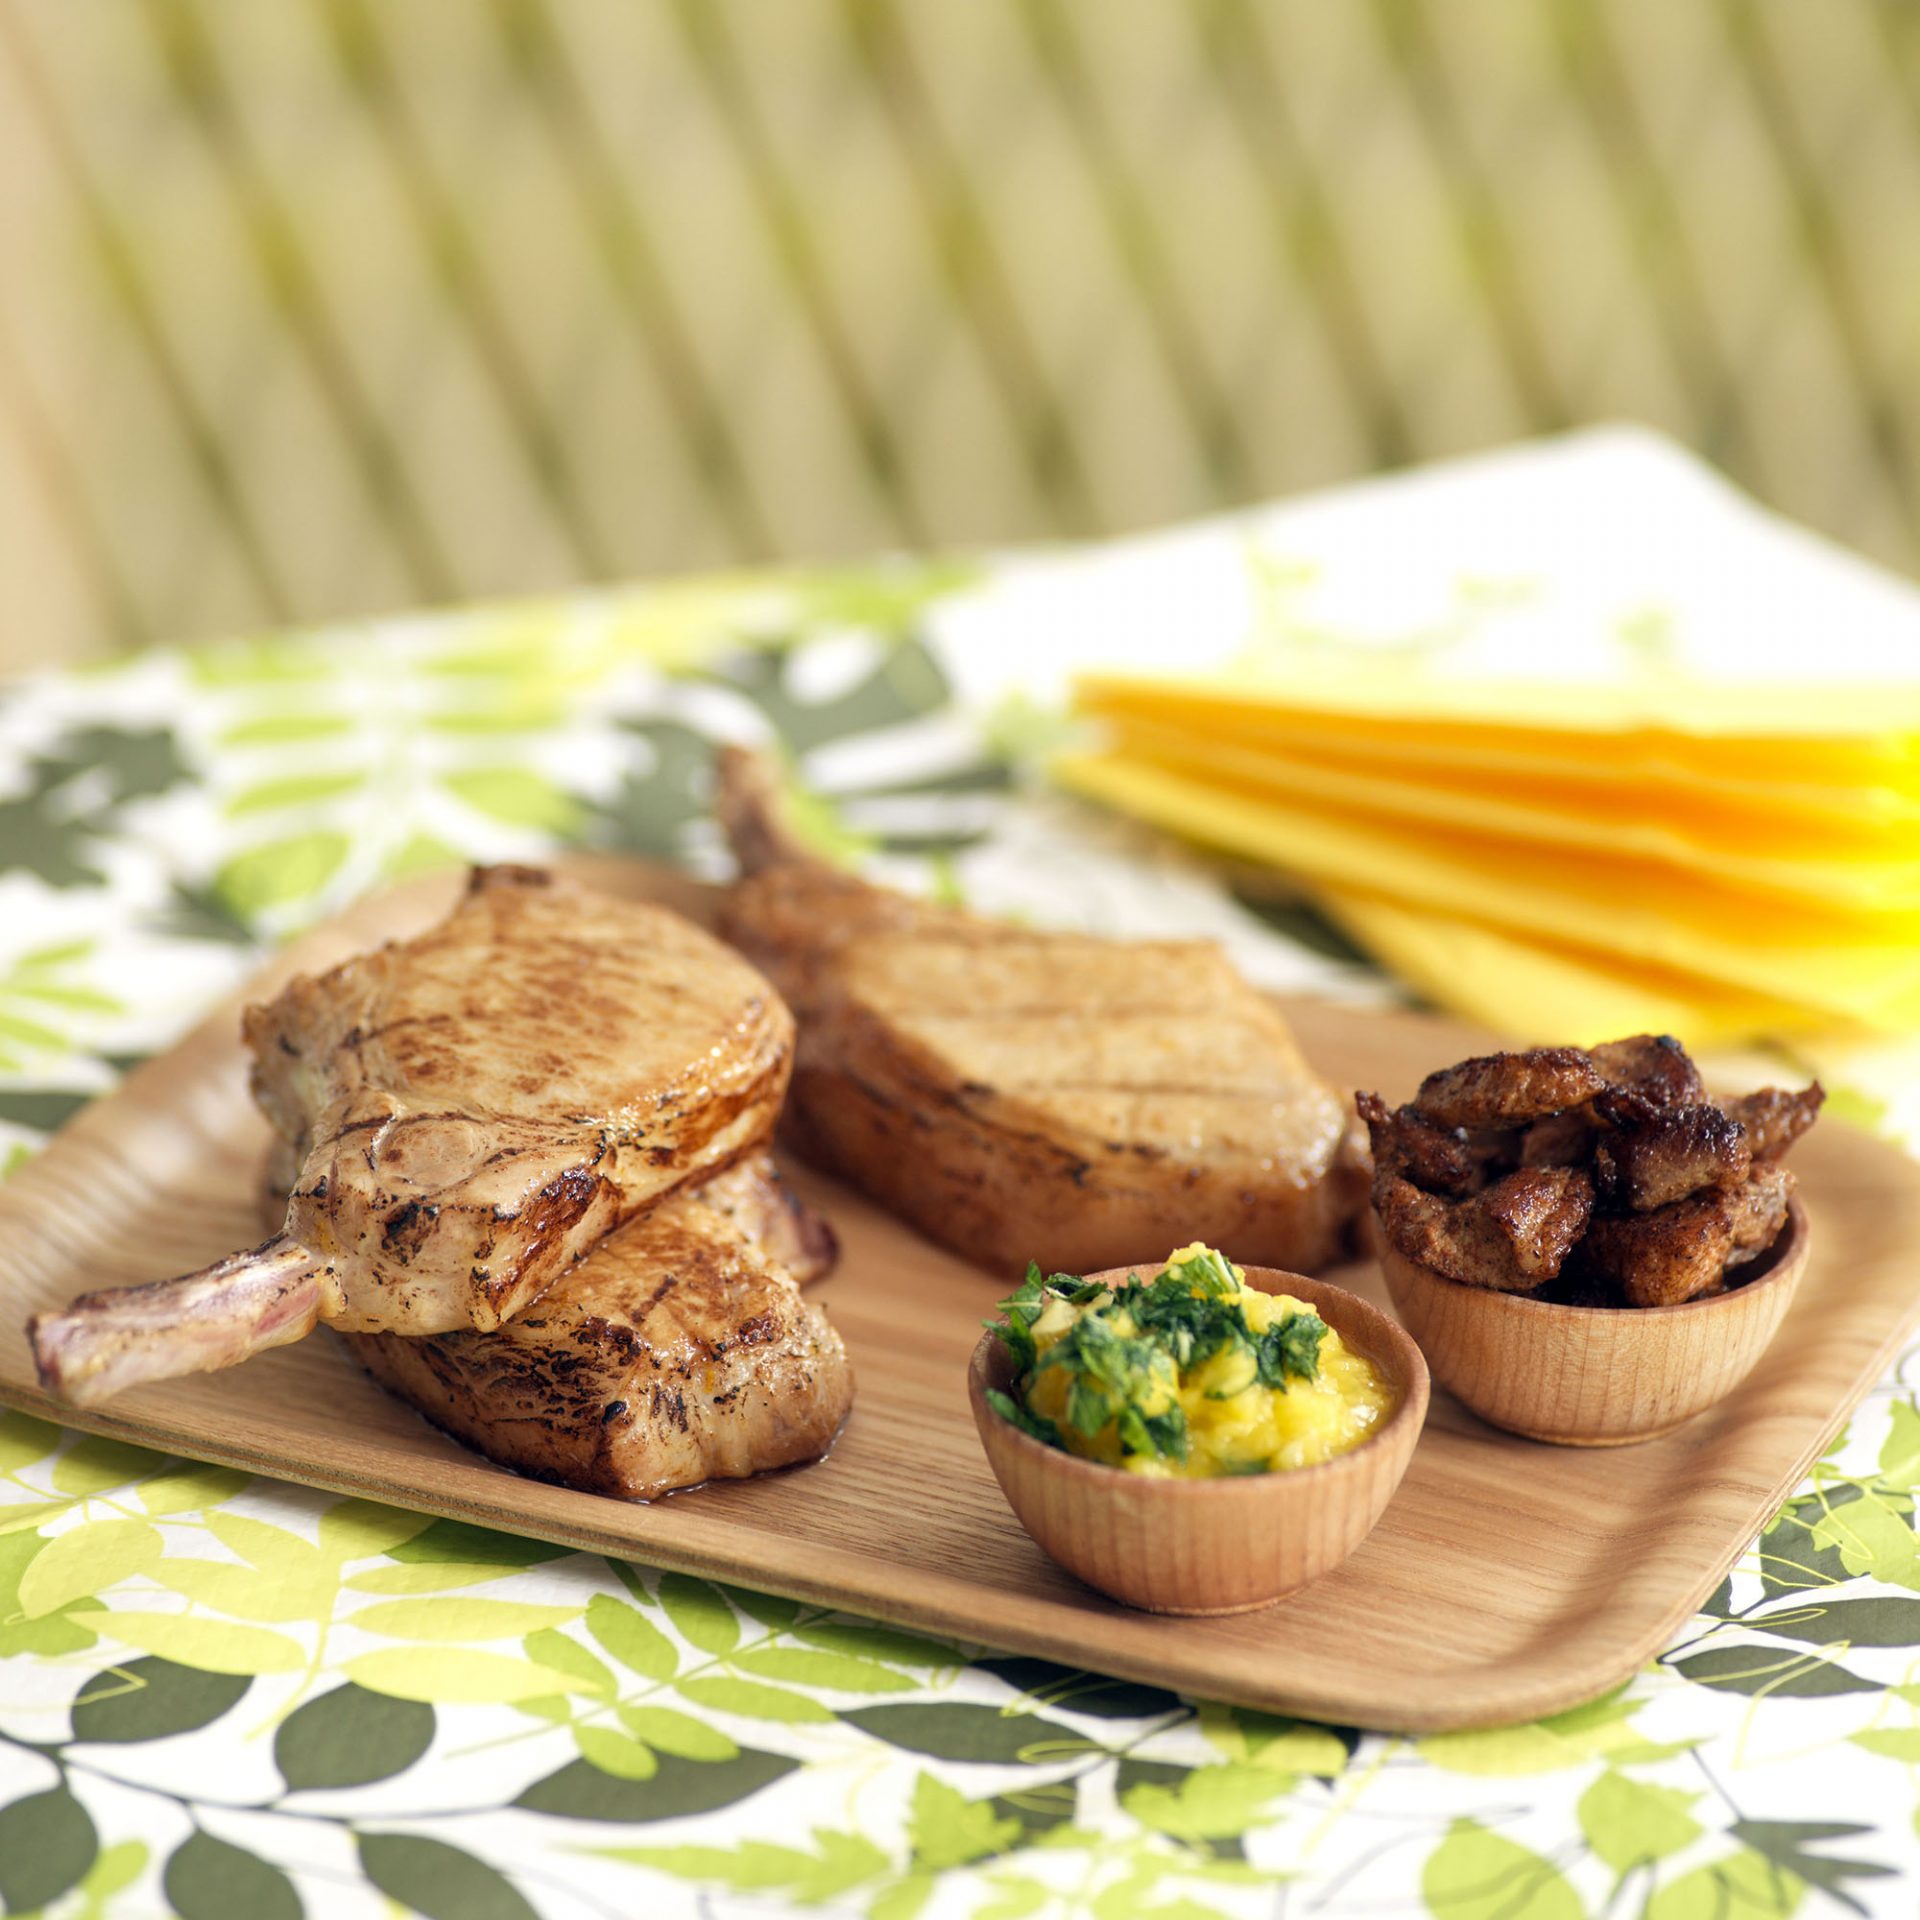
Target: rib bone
243	1304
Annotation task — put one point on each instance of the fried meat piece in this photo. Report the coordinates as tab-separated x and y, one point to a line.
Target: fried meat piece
1542	1211
1662	1258
1603	1177
1662	1154
1511	1237
1655	1066
1757	1210
1560	1140
1775	1119
1508	1089
1437	1159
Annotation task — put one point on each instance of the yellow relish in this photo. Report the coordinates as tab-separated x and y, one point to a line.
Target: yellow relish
1185	1374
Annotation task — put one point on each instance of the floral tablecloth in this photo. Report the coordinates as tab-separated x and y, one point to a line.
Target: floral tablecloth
226	1698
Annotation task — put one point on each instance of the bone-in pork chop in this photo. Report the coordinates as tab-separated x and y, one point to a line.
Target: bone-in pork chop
471	1110
678	1350
1029	1095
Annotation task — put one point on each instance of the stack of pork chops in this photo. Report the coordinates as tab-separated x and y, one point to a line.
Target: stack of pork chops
526	1174
523	1159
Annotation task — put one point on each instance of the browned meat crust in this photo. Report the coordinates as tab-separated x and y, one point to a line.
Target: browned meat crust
1660	1190
759	1205
1673	1254
678	1350
1541	1211
753	1196
1437	1159
1775	1117
1513	1237
1023	1095
1655	1066
475	1107
1656	1155
1560	1140
1757	1210
1508	1089
465	1113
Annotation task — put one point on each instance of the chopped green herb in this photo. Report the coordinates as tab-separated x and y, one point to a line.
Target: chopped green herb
1130	1351
1029	1422
1089	1408
1195	1326
1205	1273
1163	1435
1290	1349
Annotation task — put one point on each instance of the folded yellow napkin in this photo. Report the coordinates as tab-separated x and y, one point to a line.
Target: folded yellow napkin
1737	942
1572	736
1754	841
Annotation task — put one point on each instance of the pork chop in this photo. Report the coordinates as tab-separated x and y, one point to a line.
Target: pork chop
1018	1094
678	1350
471	1110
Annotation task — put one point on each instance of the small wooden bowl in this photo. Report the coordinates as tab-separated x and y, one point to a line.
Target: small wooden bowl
1209	1546
1592	1376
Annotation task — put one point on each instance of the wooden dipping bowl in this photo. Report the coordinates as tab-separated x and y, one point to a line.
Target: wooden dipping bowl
1593	1376
1209	1546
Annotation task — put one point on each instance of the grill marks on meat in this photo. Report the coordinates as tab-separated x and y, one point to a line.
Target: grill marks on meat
679	1350
469	1111
1018	1094
475	1107
1682	1190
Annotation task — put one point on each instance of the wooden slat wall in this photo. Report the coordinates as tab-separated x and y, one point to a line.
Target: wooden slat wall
313	307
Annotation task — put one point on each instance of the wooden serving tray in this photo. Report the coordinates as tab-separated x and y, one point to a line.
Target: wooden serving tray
1508	1580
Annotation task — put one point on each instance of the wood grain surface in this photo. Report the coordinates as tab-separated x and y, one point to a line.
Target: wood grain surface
1506	1580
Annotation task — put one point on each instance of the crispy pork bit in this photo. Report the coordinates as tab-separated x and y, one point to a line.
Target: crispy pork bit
1606	1177
1655	1066
1513	1237
1757	1210
1508	1089
1663	1154
1560	1140
1673	1254
1437	1159
1542	1211
1775	1118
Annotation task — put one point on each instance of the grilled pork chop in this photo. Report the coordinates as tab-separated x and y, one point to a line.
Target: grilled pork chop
1027	1095
471	1110
678	1350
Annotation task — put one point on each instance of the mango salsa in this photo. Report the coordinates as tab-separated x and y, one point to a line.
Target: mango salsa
1186	1374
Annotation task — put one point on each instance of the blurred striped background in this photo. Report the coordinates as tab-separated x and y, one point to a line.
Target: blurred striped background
315	307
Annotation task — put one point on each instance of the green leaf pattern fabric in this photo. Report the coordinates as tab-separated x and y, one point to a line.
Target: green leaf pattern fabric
221	1695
